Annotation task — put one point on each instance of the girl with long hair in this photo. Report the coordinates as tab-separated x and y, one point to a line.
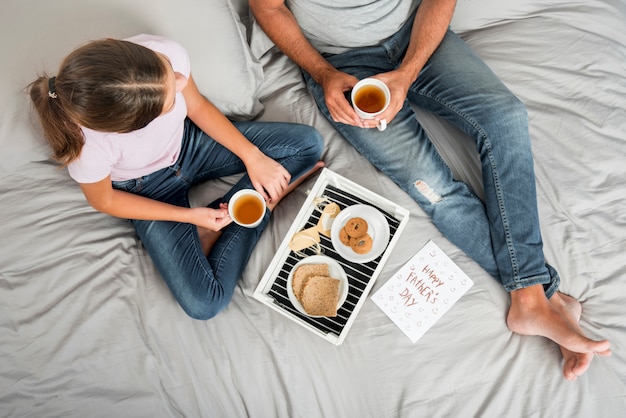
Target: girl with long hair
127	120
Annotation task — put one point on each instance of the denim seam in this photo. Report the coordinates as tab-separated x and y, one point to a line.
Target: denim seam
208	272
393	51
231	242
204	173
177	172
529	281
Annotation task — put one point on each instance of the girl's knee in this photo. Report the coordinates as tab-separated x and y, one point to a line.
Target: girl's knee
313	138
311	146
202	306
318	146
204	311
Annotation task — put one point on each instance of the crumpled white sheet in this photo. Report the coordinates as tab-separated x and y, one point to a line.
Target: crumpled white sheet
88	328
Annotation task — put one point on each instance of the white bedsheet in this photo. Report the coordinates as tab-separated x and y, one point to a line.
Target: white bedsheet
88	328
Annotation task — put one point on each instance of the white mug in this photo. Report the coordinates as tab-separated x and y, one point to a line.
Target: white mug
370	97
247	208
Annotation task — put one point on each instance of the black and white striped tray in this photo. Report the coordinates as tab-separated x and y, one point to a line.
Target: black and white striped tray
272	289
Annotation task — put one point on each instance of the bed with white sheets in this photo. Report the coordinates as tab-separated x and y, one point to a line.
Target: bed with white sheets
89	329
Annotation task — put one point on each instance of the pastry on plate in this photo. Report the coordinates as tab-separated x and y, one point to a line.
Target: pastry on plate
320	296
302	274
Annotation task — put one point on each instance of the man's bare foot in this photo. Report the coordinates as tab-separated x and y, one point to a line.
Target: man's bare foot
532	314
271	205
574	364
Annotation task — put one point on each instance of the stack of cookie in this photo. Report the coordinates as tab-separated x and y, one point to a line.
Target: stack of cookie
354	234
316	290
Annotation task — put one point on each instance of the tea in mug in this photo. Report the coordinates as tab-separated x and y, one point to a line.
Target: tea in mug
370	99
247	209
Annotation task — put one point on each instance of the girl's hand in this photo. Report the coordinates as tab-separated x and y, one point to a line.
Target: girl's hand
212	219
268	177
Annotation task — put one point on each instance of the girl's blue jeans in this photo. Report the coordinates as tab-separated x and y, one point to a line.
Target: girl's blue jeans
502	233
203	286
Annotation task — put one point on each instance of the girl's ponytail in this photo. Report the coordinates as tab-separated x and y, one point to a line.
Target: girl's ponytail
64	136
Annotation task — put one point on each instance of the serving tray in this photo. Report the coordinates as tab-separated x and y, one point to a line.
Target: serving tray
272	290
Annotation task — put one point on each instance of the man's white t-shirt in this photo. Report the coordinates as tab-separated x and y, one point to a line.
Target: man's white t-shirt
134	154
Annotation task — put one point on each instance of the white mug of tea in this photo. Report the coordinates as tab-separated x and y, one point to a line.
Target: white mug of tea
370	98
247	208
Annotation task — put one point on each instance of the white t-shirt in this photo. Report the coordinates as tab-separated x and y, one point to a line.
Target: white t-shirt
134	154
336	26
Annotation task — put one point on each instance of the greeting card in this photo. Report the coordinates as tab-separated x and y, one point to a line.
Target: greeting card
422	291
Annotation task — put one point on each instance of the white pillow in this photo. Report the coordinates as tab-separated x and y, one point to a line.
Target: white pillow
36	35
478	14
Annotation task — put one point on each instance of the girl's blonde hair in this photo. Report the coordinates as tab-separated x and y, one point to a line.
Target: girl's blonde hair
106	85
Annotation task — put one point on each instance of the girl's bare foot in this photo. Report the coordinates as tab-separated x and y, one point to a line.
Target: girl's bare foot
208	239
532	314
271	205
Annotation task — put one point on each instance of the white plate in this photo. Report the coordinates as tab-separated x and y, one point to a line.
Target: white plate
377	228
335	271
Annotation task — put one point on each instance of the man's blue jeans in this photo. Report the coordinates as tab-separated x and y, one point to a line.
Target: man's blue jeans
203	286
502	233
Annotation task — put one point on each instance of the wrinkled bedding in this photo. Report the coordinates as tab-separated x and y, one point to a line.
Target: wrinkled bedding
89	329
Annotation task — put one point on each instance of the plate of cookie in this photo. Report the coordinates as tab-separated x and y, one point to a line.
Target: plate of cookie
317	286
360	233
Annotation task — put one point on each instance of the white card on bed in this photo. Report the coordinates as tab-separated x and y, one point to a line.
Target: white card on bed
422	291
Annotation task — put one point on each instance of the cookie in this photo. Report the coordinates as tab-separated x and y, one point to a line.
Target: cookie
344	237
356	227
361	245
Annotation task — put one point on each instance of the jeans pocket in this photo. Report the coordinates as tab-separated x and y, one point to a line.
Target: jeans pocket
131	185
